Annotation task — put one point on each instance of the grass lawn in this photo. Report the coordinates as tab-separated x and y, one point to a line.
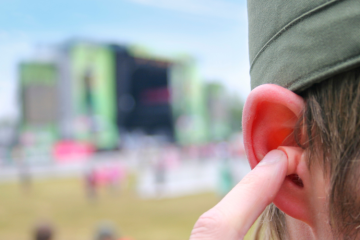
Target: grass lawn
63	203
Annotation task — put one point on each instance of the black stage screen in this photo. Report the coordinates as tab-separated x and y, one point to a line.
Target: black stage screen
144	97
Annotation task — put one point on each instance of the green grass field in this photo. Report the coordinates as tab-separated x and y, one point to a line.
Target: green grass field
64	204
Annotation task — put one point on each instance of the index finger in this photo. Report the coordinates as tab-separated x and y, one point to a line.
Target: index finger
234	215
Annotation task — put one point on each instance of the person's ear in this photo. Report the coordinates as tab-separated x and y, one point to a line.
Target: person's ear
269	118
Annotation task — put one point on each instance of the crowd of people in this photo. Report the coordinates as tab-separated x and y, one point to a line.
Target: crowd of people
113	176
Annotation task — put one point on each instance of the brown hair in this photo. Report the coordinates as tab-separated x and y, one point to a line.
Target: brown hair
332	122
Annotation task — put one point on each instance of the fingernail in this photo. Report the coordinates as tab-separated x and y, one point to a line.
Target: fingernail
273	156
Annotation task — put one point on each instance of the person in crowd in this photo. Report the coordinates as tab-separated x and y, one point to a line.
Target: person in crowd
24	175
226	179
160	177
91	183
301	126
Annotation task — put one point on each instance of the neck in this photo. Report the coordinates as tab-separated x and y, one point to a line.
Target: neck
298	230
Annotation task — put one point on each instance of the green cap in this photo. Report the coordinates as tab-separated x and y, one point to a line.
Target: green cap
296	43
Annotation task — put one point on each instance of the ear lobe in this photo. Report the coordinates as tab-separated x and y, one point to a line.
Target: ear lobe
269	118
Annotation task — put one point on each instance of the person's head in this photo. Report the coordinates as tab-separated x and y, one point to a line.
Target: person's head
105	232
319	130
305	71
43	232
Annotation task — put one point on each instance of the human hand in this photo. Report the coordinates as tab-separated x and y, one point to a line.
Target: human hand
233	216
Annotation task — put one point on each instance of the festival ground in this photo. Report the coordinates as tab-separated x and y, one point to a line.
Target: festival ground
63	203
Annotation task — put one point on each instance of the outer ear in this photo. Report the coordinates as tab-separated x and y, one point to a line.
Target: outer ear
269	117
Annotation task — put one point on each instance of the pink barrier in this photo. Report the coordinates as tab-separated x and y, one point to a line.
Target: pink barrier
71	151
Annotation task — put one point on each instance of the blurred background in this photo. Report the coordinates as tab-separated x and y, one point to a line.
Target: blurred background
119	119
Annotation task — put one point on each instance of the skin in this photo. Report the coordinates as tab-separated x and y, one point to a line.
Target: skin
269	118
233	216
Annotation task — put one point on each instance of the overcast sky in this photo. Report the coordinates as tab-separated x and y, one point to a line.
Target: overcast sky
214	32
